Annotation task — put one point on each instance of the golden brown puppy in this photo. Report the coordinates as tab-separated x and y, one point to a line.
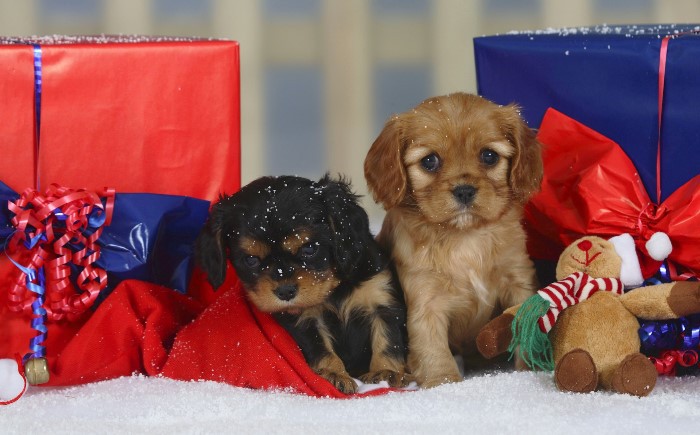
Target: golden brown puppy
453	174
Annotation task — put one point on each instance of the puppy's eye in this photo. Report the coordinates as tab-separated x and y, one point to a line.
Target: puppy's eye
308	250
251	261
489	157
431	162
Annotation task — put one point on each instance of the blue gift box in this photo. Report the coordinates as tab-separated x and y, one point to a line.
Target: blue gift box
150	237
607	78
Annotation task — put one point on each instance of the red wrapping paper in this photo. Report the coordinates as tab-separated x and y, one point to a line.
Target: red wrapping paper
17	164
139	115
591	187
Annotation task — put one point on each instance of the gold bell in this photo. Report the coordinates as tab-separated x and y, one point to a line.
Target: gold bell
37	371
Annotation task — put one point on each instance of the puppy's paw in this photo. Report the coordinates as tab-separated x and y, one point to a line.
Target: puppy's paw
394	379
342	381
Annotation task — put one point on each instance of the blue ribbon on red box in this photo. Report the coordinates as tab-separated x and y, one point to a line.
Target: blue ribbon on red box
37	88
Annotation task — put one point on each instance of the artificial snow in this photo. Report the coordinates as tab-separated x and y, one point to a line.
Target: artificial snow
96	39
605	29
500	402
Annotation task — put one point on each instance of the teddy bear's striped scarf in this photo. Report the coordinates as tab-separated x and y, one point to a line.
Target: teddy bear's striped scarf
571	290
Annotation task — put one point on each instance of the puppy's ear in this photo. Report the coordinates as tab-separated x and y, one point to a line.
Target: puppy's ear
384	170
526	164
349	223
209	250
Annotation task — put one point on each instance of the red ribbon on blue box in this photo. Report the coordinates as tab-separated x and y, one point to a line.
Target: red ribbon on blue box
590	186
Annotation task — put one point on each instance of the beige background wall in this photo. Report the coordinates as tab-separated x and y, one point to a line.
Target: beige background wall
348	46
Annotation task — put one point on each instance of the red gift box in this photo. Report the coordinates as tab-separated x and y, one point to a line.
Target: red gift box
138	114
151	115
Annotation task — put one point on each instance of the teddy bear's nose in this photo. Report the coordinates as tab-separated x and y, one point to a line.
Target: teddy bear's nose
585	245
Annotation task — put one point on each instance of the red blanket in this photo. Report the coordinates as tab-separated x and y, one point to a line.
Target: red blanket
145	328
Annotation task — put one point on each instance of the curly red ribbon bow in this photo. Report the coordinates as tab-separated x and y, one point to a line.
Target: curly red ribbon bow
60	230
590	186
667	363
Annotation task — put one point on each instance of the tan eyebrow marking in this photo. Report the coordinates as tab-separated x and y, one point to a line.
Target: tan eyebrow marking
254	247
293	242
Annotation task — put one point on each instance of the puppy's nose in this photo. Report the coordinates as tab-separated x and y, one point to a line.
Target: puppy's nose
286	292
464	193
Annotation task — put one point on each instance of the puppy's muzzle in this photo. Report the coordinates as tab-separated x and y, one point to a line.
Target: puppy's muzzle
286	292
464	193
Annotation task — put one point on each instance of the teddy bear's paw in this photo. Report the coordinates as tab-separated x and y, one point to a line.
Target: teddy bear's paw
684	298
635	375
576	372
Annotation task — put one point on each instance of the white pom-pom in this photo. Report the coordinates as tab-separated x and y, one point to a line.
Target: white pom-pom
659	246
12	384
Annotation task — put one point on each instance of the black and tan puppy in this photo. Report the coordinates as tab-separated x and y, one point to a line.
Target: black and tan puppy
304	253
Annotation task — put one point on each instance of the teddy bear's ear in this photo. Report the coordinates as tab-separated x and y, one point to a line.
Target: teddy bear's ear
630	271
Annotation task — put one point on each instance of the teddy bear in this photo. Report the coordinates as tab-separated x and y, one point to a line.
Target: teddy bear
584	327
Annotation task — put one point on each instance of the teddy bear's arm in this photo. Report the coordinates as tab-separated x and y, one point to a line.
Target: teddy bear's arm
512	310
664	301
495	337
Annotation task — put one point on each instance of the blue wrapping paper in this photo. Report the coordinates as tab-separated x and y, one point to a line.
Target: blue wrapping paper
150	238
606	78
